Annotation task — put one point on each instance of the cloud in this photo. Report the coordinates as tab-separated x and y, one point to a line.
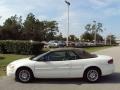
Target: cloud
96	4
111	12
5	13
41	8
81	11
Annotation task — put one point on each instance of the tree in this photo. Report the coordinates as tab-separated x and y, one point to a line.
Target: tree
31	29
28	27
95	27
39	30
73	38
11	28
59	37
88	27
1	32
99	38
94	30
87	36
111	39
90	37
50	29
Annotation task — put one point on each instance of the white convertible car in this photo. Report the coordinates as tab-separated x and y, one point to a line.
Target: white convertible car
62	63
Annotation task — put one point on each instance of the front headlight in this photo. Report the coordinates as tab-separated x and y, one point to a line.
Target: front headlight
11	66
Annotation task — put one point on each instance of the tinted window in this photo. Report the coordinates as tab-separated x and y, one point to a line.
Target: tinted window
84	55
72	56
56	56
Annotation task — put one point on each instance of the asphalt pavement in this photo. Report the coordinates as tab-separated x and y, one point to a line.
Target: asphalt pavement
111	82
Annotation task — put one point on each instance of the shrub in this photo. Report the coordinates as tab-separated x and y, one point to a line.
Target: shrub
20	47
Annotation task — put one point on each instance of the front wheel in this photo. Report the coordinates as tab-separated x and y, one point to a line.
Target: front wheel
92	75
24	75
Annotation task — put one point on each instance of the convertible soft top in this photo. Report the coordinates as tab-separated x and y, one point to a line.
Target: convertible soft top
80	52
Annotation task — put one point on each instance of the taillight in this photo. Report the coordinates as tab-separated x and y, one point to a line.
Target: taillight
110	61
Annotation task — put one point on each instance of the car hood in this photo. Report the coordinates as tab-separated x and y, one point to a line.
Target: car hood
22	61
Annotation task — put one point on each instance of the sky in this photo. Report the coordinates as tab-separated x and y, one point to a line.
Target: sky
82	12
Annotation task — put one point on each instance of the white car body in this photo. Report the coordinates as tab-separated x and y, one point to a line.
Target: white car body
62	69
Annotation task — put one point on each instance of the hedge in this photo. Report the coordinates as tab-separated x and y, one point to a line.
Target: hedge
20	47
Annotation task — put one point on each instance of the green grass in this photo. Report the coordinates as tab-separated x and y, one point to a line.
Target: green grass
93	49
5	59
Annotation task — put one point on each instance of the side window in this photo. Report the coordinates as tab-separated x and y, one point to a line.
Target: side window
72	56
56	56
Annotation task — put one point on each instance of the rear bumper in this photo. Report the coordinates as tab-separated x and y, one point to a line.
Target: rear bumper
108	69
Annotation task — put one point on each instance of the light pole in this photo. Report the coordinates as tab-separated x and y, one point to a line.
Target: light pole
68	4
95	32
0	17
110	39
105	41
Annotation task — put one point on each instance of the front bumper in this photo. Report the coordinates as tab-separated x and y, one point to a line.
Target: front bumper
10	72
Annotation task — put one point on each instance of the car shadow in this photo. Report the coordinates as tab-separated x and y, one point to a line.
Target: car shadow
59	81
113	79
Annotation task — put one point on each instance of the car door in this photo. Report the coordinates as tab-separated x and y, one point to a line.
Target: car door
54	65
76	64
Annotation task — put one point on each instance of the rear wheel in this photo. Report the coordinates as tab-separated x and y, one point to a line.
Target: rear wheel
92	75
24	75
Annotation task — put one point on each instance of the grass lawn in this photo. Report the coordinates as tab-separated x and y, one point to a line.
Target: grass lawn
93	49
5	59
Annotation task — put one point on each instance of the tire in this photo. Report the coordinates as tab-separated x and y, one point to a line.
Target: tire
92	75
24	75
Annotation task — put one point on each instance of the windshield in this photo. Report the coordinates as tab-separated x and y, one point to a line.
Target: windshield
36	57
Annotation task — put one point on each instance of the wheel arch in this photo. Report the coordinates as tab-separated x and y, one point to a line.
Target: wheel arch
95	67
24	67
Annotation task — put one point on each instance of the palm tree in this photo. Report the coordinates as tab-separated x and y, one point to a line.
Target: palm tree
94	28
111	39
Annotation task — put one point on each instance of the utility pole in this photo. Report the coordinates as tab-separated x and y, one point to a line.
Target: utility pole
105	41
110	39
95	33
68	4
0	18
